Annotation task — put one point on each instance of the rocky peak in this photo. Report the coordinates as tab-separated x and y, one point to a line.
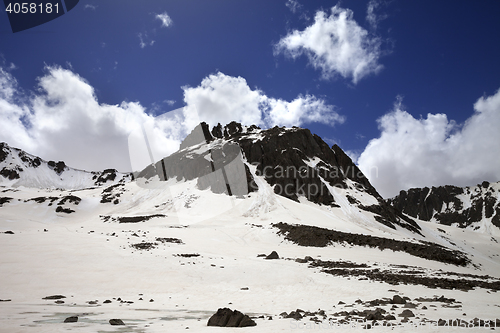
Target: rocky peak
295	162
462	206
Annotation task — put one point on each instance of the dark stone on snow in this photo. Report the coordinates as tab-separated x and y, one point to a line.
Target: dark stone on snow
58	167
54	297
9	232
228	318
72	319
59	209
116	322
4	200
273	255
305	235
406	313
445	205
11	174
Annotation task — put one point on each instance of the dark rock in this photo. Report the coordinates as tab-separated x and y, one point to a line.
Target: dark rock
406	313
227	318
106	301
11	174
4	200
446	204
116	322
9	232
306	235
54	297
59	209
72	319
295	315
169	240
273	255
58	167
136	219
5	300
390	317
396	299
59	302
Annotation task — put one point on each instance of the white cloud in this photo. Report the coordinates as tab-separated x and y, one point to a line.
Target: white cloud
336	45
293	5
222	98
89	6
166	21
145	40
434	151
63	120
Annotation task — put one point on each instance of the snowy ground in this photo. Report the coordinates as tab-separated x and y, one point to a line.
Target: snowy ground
89	258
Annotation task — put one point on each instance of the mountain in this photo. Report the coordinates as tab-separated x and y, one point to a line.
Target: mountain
241	221
294	162
18	168
473	207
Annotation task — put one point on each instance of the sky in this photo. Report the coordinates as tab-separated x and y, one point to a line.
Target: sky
409	89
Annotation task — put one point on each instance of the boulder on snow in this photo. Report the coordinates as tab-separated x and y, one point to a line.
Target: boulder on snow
228	318
116	322
273	255
72	319
396	299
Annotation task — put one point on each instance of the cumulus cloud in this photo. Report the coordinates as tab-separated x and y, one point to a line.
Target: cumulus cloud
222	98
166	21
371	16
293	5
145	40
434	151
63	120
336	45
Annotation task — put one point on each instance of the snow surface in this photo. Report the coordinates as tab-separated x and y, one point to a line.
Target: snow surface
87	259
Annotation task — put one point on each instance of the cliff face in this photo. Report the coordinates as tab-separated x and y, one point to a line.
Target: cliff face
475	207
18	168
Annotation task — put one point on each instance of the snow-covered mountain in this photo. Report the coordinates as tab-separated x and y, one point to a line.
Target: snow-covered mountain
273	223
18	168
472	207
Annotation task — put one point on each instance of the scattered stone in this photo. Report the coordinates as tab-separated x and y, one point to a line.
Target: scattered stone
227	318
187	255
273	255
72	319
410	305
151	300
406	313
8	232
340	303
169	240
59	302
107	301
296	314
116	322
54	297
5	300
396	299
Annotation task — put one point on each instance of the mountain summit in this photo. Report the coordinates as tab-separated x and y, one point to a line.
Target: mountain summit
18	168
295	163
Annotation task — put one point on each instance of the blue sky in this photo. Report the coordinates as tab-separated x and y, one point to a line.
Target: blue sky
394	83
